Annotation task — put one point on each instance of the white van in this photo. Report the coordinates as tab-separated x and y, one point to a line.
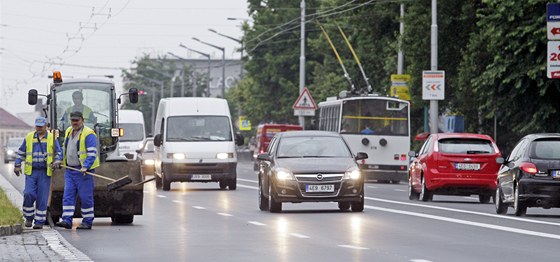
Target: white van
195	142
132	121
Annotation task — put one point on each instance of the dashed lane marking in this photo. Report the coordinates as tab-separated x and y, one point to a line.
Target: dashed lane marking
178	201
161	196
251	187
299	235
199	207
256	223
353	247
225	214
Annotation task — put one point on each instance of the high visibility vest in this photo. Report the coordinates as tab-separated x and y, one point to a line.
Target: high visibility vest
82	150
29	140
86	113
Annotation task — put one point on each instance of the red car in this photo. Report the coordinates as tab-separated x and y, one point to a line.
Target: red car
454	164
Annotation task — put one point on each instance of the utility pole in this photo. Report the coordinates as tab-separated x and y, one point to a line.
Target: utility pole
434	66
223	49
400	57
302	59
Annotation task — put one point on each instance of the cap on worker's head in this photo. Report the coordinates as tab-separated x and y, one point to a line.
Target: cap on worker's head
40	121
76	115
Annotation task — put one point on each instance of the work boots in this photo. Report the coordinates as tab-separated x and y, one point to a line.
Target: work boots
28	223
84	226
38	226
63	224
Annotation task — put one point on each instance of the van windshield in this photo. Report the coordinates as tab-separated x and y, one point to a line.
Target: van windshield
198	128
132	132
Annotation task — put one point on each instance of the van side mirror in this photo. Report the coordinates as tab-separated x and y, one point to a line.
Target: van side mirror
239	140
32	97
157	140
265	157
361	156
133	95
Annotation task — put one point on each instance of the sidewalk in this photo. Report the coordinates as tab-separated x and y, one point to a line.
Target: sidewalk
35	244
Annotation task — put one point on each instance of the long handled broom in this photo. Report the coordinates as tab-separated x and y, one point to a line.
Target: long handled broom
116	183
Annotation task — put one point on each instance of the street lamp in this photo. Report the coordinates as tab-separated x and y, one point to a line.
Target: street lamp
173	77
240	51
207	56
223	63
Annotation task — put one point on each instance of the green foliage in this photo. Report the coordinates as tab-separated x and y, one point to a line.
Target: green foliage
10	215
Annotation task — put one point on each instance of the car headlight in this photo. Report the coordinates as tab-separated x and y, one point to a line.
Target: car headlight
10	152
353	173
179	156
224	155
283	174
149	162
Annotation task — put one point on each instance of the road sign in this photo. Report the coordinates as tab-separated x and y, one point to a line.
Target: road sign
553	21
244	124
304	105
399	86
553	59
433	85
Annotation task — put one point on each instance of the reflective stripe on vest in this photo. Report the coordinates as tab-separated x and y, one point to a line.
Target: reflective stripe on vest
82	150
29	140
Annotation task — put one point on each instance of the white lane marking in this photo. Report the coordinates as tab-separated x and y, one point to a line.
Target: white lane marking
298	235
465	222
251	187
420	260
161	196
464	211
225	214
178	201
353	247
256	223
248	180
199	207
400	190
470	197
371	187
61	246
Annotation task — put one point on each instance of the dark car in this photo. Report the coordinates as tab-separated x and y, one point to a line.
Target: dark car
530	176
460	164
310	166
11	147
146	155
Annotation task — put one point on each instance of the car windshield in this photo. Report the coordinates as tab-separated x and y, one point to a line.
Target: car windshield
198	128
316	146
545	149
15	142
132	132
465	146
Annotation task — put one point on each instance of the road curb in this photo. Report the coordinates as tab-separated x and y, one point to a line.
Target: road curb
11	230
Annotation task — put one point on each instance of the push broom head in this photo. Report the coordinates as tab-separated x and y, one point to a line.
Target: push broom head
119	183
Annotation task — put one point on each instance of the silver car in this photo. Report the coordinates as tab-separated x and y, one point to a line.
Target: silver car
11	147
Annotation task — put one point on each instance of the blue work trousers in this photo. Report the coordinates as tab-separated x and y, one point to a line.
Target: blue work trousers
76	184
36	196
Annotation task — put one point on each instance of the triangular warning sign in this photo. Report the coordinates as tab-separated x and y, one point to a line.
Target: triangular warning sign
305	101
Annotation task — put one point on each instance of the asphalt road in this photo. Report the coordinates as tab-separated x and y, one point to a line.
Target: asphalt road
199	222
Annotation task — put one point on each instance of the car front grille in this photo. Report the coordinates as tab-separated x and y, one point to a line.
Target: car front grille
319	177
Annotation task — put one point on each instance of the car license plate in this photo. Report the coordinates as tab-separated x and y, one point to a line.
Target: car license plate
556	174
201	177
467	166
319	188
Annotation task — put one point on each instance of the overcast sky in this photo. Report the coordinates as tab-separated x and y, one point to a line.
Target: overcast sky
97	37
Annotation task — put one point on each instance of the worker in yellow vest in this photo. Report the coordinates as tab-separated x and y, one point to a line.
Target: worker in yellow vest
80	152
41	153
78	98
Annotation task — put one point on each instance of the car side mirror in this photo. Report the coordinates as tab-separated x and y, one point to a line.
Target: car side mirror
139	151
157	140
265	157
500	160
361	156
411	153
32	97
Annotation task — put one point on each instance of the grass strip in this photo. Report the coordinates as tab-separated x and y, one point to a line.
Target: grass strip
9	214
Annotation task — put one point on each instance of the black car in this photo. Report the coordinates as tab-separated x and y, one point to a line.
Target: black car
530	176
310	166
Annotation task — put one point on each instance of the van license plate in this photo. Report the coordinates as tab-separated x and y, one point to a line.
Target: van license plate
201	177
319	188
467	166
